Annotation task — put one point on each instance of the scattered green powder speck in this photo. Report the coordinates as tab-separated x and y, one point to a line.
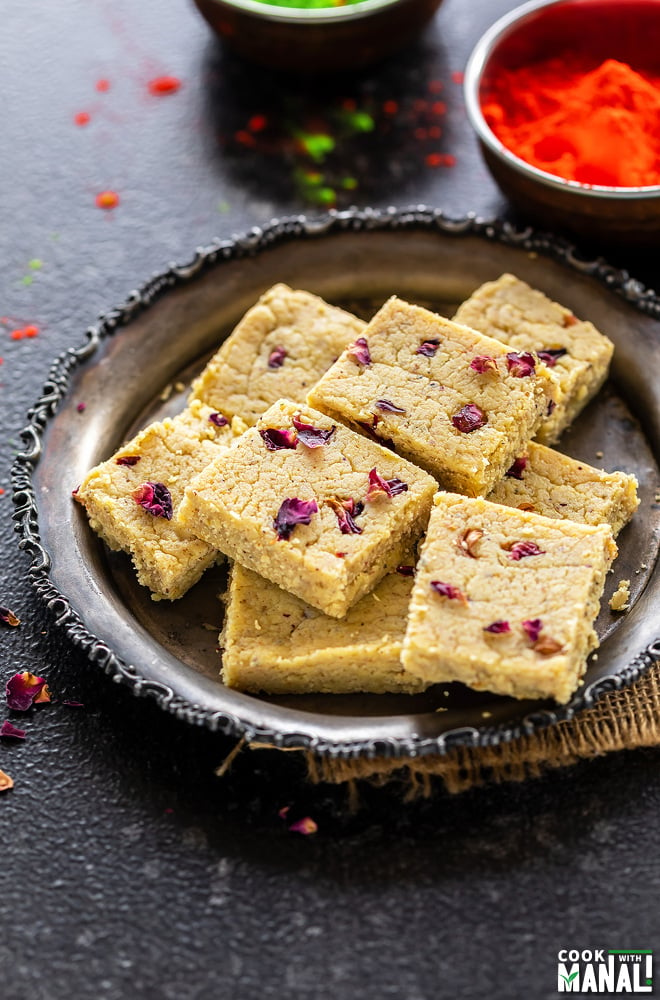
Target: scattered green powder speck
35	264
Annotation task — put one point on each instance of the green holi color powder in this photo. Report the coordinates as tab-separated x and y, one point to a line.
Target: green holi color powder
309	4
316	144
27	280
349	183
223	207
35	264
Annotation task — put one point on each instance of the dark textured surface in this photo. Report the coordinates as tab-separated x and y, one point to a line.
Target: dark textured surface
128	869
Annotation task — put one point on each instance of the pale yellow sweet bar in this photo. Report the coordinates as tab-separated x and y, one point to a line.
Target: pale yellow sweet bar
510	310
277	643
549	483
279	350
167	558
505	600
422	365
239	505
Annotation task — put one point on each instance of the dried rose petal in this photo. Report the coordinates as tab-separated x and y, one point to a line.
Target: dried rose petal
306	825
218	419
450	591
526	506
549	355
292	512
483	363
24	689
406	570
469	418
498	627
9	618
552	406
360	351
428	348
5	782
346	510
43	698
520	550
283	811
521	365
310	436
128	460
532	627
387	407
8	730
155	498
469	540
518	467
276	357
278	438
384	487
570	319
546	646
368	429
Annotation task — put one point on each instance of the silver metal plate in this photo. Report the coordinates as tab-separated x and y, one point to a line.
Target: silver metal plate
163	336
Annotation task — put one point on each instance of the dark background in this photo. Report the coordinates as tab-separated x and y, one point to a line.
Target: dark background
128	870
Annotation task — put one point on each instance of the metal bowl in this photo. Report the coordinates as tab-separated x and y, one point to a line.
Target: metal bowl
321	40
628	30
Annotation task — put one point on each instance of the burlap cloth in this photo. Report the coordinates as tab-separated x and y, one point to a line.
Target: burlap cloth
620	720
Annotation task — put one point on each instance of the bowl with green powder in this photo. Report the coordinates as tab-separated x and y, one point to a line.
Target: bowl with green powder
317	36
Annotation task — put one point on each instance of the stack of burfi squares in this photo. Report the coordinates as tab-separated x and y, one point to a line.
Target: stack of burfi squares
385	493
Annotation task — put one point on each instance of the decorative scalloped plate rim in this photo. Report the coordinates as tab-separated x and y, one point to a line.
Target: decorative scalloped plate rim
280	230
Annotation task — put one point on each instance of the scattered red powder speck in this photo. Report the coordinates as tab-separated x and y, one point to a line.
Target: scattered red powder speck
82	118
439	108
16	334
102	85
245	138
457	76
107	199
31	330
440	160
257	123
390	107
2	492
81	407
349	104
435	86
164	85
435	132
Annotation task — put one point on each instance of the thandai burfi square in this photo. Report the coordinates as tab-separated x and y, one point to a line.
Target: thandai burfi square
458	404
310	505
277	643
279	350
554	485
578	354
168	559
505	600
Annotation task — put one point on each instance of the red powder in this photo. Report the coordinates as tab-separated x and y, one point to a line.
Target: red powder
594	125
164	85
390	107
435	86
107	199
435	132
82	118
245	138
102	85
16	334
440	160
2	492
457	76
439	108
257	123
31	330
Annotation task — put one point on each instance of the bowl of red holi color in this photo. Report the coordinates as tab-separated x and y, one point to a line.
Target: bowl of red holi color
344	35
564	96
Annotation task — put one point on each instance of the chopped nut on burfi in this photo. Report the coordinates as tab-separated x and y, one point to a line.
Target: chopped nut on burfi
279	350
459	404
130	499
552	484
310	505
578	355
277	643
505	600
